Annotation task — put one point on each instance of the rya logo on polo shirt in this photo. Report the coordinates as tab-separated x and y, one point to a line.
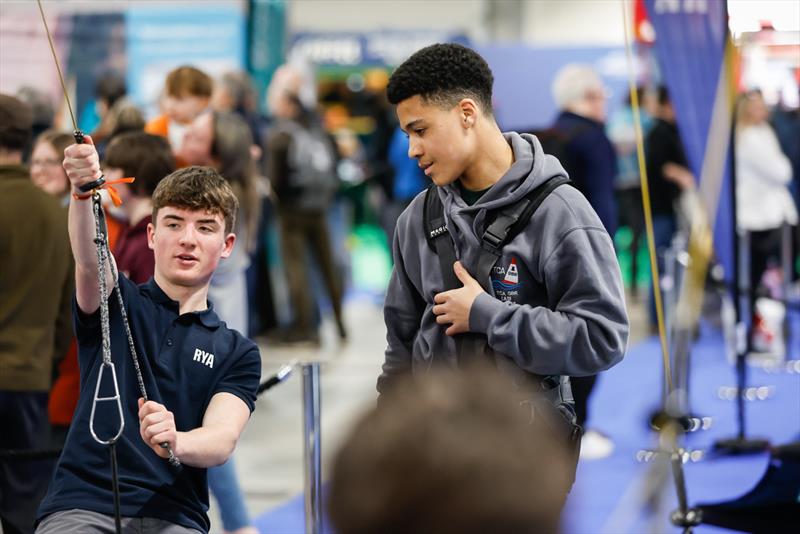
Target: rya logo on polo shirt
206	358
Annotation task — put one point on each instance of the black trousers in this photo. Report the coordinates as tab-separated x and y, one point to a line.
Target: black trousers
582	387
24	425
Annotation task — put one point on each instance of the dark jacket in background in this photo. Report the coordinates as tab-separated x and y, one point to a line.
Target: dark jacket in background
36	283
663	145
591	164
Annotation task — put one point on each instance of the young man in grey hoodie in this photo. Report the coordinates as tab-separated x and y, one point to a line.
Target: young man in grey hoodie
556	306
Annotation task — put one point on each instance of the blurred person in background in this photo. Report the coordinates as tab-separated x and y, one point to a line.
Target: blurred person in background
45	165
234	92
49	176
407	181
149	159
621	131
187	93
668	177
36	286
763	200
785	121
41	105
301	166
124	116
222	140
109	89
591	163
449	452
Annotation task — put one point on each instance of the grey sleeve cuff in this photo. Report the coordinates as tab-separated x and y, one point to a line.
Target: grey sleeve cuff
484	308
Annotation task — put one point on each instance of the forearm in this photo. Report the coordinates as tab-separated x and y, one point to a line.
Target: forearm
207	446
548	342
82	235
402	312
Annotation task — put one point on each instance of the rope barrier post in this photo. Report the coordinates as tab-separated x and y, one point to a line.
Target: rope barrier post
787	270
311	448
741	444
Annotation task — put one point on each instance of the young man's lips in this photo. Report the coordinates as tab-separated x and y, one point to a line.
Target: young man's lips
186	257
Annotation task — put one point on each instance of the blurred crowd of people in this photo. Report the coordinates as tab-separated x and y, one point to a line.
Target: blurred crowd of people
287	171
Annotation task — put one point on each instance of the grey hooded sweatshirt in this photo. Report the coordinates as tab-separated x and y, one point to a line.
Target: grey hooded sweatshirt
558	306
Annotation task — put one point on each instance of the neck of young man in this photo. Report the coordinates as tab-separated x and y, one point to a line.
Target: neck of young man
491	162
189	298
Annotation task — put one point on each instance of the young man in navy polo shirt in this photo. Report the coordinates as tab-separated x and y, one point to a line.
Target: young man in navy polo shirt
200	376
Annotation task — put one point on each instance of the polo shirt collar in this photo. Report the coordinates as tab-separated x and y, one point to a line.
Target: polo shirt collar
207	317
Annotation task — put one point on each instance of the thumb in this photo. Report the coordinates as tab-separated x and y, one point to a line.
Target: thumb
141	402
462	273
87	139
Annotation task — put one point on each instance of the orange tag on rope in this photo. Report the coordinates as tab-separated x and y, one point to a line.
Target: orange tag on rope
111	191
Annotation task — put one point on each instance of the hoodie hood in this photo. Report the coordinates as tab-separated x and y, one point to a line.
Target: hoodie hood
531	168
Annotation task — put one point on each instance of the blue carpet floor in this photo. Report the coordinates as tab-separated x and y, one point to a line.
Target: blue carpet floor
606	495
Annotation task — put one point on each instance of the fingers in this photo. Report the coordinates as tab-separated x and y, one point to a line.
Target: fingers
157	427
157	434
150	407
82	164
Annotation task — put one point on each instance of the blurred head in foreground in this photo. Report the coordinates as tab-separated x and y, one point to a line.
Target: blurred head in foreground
444	453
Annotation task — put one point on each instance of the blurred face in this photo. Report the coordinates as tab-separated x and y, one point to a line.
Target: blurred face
757	110
188	245
439	139
46	170
595	100
196	148
184	109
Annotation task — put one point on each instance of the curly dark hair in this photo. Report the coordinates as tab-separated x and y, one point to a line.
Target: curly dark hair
443	74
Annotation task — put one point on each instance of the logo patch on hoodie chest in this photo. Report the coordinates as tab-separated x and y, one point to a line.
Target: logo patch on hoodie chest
506	280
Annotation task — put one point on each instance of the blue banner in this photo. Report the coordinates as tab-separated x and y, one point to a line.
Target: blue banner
691	37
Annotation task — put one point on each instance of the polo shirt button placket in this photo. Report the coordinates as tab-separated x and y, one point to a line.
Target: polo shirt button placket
169	341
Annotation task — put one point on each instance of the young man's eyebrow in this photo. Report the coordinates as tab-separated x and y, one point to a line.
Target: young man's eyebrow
176	217
411	125
208	221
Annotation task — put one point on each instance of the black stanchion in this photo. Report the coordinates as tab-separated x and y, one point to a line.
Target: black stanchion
740	444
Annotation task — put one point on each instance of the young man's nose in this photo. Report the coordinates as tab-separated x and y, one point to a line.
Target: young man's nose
414	149
188	236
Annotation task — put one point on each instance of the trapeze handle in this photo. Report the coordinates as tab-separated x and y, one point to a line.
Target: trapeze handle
115	398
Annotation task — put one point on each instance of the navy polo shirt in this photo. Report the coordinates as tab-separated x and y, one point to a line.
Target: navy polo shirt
185	360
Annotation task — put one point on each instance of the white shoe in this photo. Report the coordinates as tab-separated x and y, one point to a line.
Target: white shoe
595	445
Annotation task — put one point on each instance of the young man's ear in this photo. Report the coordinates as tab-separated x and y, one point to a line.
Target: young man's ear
230	240
468	110
151	228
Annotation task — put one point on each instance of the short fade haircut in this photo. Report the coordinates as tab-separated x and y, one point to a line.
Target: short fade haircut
197	189
443	74
451	451
146	157
189	81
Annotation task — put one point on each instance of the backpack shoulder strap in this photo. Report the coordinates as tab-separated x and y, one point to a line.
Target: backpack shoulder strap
433	220
438	237
512	219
